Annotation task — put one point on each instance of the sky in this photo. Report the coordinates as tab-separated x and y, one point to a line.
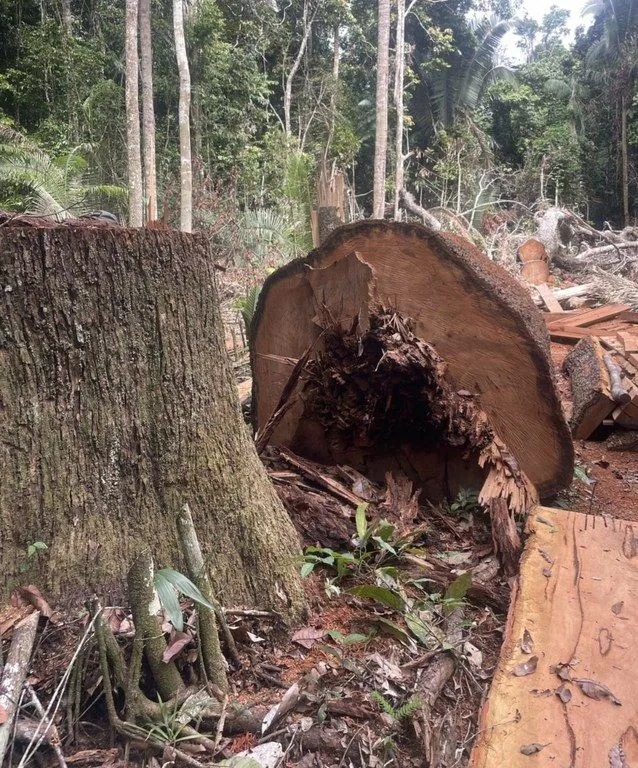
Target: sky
537	9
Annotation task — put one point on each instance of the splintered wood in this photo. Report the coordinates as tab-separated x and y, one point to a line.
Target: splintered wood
565	692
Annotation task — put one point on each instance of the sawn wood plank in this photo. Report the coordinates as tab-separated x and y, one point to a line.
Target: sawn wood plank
577	597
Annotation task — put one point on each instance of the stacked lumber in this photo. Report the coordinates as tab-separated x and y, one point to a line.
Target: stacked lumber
564	692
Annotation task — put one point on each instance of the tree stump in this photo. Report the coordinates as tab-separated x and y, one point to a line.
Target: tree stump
117	407
427	358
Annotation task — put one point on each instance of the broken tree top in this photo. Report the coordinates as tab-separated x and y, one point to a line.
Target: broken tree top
394	313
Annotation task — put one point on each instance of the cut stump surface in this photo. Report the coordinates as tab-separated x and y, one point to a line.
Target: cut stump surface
477	317
576	611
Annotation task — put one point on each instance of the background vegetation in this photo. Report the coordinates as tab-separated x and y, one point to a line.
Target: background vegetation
559	126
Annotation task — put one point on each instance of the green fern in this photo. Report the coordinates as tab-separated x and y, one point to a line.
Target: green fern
399	713
60	188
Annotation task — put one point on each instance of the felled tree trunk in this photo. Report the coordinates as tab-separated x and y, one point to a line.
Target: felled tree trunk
431	359
117	407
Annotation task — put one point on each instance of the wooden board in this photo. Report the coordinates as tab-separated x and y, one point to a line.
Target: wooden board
551	302
629	317
629	341
578	598
568	335
598	315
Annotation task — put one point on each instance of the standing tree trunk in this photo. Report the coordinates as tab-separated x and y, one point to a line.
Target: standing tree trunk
307	29
185	164
148	111
133	153
381	138
399	69
118	406
625	160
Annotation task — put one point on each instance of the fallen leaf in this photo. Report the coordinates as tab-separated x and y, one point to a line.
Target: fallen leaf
563	671
308	636
616	608
532	749
564	694
474	656
527	643
33	596
178	641
605	640
526	667
596	691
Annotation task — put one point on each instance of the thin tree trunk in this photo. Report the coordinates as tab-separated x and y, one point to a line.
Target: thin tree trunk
399	69
148	110
185	163
625	161
307	28
381	138
133	152
118	407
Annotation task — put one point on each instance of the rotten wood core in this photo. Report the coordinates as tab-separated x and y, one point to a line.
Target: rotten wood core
385	386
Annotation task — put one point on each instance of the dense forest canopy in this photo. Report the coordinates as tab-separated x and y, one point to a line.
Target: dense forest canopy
279	89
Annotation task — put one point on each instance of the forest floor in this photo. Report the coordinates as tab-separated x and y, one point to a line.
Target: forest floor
397	653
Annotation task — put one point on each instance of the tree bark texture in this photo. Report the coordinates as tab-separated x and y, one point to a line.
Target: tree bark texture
185	164
133	152
399	70
148	110
117	407
381	136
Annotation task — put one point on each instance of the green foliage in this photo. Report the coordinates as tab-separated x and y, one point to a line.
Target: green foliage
58	187
169	584
172	726
397	713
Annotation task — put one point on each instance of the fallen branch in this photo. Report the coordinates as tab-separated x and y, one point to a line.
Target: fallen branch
618	392
410	204
14	675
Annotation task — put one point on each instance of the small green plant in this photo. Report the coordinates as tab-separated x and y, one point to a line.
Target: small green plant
172	725
465	503
580	473
247	305
398	713
32	552
376	543
169	584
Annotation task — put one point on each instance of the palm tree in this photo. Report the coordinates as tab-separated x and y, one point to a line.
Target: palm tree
60	188
616	53
458	90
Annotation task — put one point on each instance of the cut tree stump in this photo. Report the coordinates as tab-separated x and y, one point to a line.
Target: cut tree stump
535	261
574	612
434	361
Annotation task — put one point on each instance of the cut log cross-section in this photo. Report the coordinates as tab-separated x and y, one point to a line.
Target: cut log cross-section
433	360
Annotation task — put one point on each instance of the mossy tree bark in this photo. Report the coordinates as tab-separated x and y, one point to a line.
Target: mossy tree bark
117	406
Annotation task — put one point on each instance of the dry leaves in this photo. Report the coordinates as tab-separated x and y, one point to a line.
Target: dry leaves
526	667
308	636
596	691
564	694
616	608
178	641
31	595
532	749
527	643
